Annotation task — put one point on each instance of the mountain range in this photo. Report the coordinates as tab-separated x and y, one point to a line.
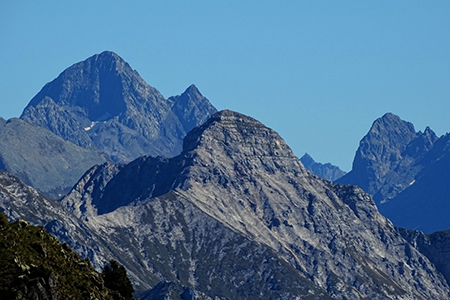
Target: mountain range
199	204
406	173
237	215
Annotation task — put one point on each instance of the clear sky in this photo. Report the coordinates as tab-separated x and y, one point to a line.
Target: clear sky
317	72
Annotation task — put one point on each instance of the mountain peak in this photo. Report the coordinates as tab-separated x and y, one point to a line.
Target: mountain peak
391	124
95	85
236	133
307	160
110	60
192	108
102	102
326	171
379	152
192	89
235	171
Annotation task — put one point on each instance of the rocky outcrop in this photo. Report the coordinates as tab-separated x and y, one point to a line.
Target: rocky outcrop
326	171
236	205
42	159
103	103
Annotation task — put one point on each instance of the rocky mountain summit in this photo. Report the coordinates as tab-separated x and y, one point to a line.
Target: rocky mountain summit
103	103
406	172
236	215
382	162
42	159
326	171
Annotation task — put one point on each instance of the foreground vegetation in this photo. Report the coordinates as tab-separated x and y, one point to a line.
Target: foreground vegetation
35	265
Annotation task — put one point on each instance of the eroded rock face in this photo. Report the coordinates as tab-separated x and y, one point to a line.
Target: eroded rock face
434	246
236	186
103	103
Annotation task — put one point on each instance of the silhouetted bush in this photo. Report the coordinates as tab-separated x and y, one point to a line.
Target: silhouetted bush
115	277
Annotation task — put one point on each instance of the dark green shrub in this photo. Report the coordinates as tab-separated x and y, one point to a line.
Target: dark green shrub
3	219
115	277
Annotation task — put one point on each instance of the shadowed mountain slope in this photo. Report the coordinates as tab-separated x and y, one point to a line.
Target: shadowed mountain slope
35	265
42	159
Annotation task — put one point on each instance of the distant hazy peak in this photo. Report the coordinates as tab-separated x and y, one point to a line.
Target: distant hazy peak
326	171
192	89
191	108
390	124
95	85
102	102
307	160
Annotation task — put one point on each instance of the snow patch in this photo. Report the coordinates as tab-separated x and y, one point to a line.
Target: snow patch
90	127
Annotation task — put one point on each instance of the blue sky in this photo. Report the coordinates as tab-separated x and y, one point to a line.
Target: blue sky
317	72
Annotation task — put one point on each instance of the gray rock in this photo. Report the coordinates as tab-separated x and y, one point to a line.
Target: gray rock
191	108
434	246
381	153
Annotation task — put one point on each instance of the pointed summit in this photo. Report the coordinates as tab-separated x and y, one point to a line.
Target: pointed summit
386	161
192	108
94	84
103	103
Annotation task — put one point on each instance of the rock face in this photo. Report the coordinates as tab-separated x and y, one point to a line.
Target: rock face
326	171
42	159
103	103
434	246
236	215
406	172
